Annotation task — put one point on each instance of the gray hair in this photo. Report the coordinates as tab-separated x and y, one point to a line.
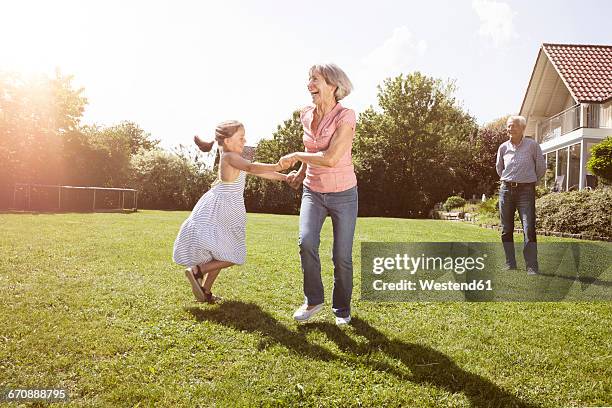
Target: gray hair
334	76
520	119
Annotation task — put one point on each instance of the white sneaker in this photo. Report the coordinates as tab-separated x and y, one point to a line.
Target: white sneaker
341	321
303	314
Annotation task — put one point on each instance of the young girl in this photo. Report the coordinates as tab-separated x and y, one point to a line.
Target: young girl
213	237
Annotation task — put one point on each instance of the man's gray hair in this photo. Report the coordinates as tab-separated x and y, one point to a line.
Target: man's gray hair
334	76
520	119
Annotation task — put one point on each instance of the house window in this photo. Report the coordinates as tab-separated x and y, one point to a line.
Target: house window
605	120
574	167
591	179
562	169
549	176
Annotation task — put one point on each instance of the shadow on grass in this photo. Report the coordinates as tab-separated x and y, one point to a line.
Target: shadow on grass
424	364
250	317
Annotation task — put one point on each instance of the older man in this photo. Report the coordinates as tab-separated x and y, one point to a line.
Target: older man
520	164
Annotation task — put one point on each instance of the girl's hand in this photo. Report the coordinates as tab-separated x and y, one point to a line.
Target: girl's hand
294	179
287	161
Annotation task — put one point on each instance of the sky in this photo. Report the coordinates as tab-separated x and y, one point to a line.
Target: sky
177	68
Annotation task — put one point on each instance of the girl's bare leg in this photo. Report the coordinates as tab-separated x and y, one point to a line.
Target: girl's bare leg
213	265
211	270
210	279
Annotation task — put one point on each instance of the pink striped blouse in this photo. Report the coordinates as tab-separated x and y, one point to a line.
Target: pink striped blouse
321	179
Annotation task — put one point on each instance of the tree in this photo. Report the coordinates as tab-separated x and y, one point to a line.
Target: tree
409	155
35	114
167	181
286	139
600	163
271	196
498	124
191	153
100	156
481	171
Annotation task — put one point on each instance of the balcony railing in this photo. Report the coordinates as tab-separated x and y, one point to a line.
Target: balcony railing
560	124
568	121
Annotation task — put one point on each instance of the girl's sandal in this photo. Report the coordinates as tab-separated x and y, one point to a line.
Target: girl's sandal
210	298
198	275
193	277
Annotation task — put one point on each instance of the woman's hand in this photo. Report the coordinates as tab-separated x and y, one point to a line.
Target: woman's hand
287	161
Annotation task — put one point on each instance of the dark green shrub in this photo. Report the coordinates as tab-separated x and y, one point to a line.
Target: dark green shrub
166	181
453	202
490	206
600	162
541	191
269	196
576	212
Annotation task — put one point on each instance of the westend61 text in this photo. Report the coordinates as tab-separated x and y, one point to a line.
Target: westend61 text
404	285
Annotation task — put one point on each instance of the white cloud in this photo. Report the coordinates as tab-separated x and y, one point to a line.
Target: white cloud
496	20
397	54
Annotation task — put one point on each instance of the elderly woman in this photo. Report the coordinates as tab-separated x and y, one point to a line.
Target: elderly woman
330	188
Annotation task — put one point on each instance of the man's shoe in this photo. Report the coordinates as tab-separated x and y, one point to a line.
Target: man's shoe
532	271
509	267
341	321
303	313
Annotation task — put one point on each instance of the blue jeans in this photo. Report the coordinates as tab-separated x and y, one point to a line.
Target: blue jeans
342	207
521	198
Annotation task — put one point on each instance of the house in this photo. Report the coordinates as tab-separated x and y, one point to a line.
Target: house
568	107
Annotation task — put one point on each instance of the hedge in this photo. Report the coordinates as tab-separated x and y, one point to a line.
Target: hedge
576	212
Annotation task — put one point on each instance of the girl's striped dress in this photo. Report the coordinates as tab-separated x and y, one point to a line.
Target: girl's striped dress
216	228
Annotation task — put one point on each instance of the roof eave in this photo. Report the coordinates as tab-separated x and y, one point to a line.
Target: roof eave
530	81
552	61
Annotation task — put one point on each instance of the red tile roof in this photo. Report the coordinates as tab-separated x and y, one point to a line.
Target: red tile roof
585	69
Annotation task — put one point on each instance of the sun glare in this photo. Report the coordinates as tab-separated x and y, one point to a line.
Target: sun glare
39	37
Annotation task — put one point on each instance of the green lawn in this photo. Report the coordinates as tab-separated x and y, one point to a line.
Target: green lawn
93	303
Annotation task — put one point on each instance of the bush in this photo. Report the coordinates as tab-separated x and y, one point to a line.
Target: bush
267	196
491	206
453	202
600	162
166	181
577	212
541	191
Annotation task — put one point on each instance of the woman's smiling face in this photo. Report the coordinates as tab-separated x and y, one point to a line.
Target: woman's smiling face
319	89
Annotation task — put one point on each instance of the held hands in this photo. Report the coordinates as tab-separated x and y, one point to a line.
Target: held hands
287	161
294	179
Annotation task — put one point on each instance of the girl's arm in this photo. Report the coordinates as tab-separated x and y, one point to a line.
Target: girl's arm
341	142
238	162
273	176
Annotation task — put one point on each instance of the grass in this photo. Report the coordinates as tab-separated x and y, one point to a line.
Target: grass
93	303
